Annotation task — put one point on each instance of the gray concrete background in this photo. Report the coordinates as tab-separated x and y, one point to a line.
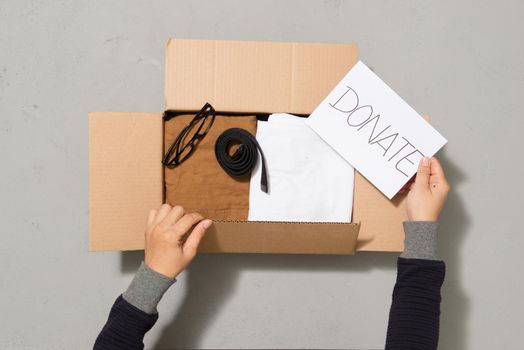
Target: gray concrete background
462	62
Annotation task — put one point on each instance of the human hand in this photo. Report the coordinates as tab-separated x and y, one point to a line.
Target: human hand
168	250
428	193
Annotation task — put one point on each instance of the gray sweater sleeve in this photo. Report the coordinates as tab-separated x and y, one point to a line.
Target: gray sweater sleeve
146	289
420	240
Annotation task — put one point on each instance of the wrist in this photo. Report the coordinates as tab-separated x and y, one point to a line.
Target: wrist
159	269
418	215
422	218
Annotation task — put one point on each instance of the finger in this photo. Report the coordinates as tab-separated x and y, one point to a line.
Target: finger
190	247
437	172
185	223
173	216
438	179
162	213
423	173
151	217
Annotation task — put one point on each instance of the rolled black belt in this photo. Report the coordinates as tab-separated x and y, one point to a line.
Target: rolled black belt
243	161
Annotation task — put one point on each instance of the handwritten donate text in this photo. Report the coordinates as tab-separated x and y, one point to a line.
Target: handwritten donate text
395	148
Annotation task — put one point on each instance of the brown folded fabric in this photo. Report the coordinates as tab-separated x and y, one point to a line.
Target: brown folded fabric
200	184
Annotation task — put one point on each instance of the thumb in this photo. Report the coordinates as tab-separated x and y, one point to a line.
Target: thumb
423	173
190	247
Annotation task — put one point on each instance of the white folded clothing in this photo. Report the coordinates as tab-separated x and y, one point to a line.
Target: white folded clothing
308	180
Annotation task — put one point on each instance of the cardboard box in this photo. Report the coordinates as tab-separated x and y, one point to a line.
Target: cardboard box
125	149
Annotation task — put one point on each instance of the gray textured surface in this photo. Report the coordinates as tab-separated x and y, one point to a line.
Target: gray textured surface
461	62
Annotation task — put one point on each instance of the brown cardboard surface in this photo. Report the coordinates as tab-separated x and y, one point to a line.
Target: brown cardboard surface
125	177
253	76
280	237
381	219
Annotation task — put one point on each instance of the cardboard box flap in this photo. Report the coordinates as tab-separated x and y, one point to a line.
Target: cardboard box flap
253	76
125	177
280	237
381	219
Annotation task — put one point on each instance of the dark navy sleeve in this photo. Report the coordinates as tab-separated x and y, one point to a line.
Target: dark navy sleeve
414	317
125	327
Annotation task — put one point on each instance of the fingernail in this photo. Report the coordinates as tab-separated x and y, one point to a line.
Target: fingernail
207	223
425	161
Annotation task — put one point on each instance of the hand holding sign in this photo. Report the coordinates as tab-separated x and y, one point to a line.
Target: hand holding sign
428	193
378	133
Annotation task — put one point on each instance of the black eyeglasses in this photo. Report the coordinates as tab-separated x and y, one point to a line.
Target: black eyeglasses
186	141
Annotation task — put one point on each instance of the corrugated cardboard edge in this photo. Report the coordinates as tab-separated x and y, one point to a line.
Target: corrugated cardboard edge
125	177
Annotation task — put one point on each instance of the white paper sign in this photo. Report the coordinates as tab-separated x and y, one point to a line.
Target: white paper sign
378	133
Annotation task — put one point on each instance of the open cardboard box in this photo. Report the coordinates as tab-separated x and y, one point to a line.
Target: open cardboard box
125	149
